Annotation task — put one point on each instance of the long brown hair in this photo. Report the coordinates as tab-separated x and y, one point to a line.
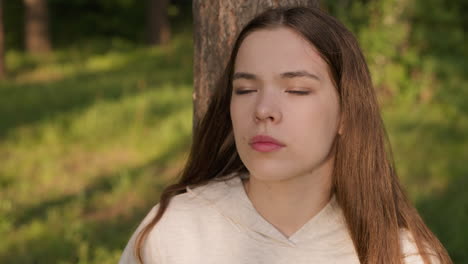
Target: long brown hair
364	178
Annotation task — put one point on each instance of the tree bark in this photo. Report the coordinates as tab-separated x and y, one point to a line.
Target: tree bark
37	26
2	44
216	24
159	31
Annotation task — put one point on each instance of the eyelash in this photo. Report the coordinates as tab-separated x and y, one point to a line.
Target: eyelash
243	91
240	92
300	92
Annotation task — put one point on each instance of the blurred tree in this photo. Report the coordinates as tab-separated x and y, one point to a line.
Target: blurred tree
2	41
159	31
216	24
37	26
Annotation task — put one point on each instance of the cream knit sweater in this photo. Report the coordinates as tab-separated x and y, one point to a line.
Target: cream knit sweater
217	224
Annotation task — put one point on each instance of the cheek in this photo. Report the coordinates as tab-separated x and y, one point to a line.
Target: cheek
313	125
235	116
239	118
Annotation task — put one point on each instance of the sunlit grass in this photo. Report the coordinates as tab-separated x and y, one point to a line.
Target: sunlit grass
86	145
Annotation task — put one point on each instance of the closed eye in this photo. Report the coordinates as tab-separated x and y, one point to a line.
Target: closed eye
299	92
290	91
244	91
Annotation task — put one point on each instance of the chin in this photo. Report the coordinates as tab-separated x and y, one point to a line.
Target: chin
265	173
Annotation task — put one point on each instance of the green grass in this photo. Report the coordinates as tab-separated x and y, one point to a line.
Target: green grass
88	139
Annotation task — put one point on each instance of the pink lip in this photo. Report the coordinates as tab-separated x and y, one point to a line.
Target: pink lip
265	143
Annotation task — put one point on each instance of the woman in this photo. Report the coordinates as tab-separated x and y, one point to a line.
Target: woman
291	162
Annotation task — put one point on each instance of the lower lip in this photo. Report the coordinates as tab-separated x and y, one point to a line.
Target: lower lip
265	146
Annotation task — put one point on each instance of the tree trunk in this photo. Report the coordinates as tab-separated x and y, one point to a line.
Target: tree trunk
37	26
159	31
216	24
2	44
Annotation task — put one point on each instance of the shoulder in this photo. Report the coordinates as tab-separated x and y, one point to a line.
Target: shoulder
178	212
185	210
129	254
410	250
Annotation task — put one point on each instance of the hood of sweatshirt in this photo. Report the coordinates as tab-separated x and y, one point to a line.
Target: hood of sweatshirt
227	195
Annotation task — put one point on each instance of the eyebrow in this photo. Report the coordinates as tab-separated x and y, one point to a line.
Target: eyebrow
284	75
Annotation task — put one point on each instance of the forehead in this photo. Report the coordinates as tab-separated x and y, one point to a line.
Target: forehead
277	50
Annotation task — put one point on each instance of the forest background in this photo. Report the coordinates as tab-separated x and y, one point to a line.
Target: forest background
96	116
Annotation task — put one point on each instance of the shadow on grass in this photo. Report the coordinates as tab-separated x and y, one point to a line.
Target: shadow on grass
61	230
27	103
104	183
109	234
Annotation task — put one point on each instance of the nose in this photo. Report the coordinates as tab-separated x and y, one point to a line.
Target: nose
267	109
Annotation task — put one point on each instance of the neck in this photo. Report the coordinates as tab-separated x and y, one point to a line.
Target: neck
296	200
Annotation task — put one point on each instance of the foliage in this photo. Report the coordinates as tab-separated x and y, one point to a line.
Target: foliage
78	21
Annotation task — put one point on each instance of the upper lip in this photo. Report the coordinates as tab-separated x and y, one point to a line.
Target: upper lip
265	139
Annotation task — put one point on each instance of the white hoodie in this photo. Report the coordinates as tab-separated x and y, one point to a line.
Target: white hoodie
217	224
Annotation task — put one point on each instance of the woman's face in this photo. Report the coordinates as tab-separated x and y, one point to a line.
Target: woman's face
282	89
